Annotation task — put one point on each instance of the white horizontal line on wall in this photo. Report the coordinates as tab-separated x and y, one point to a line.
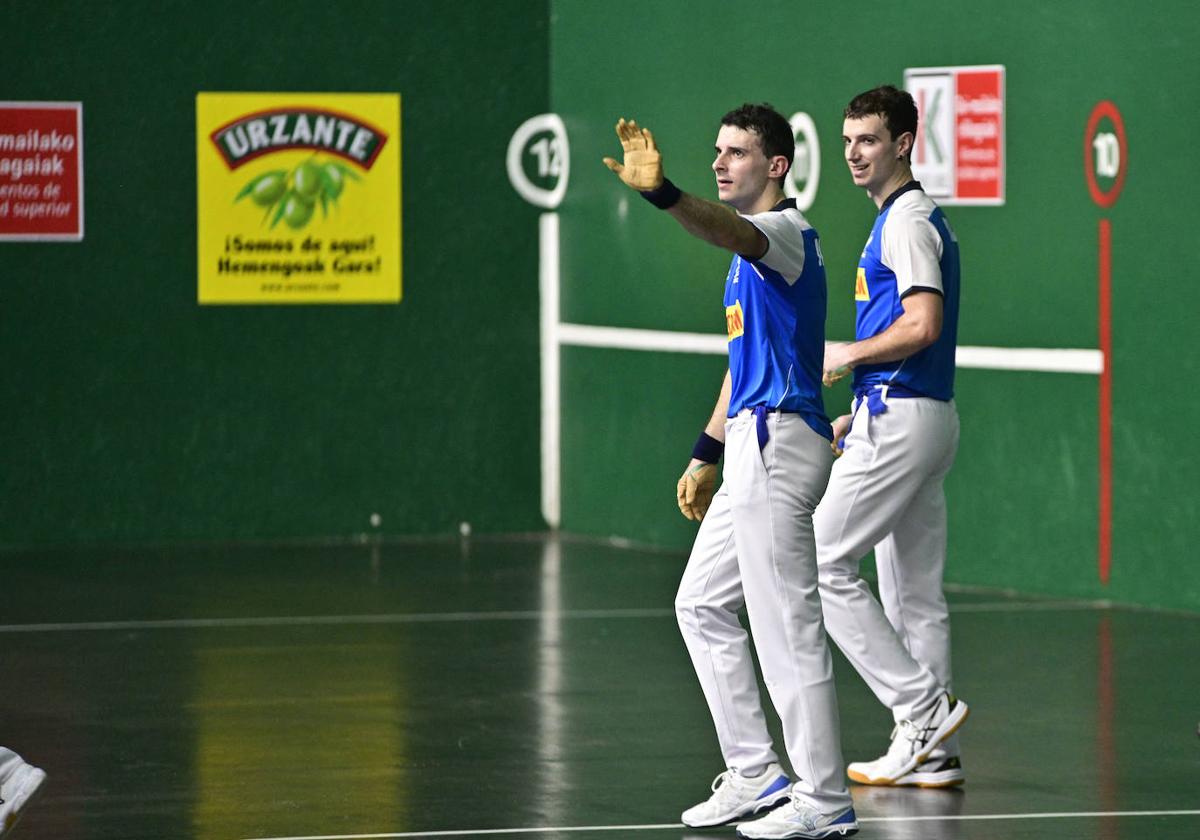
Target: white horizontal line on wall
626	339
1044	359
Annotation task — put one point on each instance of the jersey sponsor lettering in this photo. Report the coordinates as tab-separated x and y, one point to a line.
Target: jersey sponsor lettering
735	323
860	285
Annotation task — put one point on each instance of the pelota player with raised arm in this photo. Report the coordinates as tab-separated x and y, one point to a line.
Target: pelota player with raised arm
755	544
899	443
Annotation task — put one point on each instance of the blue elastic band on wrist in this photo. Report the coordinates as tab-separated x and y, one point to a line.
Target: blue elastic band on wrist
707	449
665	197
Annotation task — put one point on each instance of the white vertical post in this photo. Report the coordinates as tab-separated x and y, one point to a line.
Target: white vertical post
551	399
554	159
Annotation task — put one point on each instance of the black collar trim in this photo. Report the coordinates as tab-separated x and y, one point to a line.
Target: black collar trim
911	185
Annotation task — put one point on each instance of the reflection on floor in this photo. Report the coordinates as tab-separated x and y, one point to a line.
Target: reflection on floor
526	686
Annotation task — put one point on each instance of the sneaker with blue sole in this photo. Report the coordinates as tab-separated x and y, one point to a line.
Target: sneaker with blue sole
800	819
735	796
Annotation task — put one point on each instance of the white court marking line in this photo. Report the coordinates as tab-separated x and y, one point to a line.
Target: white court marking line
432	618
676	826
1044	359
1026	606
305	620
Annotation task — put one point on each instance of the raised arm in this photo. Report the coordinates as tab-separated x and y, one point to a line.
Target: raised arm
711	221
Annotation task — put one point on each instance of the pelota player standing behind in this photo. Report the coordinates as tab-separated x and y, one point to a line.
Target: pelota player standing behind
755	545
886	489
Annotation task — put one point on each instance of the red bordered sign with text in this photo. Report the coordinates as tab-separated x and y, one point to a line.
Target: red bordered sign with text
41	171
959	155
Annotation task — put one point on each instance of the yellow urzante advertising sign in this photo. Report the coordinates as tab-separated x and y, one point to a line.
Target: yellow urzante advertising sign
298	197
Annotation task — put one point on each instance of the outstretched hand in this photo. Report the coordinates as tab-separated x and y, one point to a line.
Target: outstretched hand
642	168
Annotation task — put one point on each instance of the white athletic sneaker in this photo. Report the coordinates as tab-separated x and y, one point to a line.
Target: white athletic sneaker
799	819
735	796
938	771
19	781
912	744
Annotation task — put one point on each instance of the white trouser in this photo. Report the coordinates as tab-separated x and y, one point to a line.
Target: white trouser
755	548
886	492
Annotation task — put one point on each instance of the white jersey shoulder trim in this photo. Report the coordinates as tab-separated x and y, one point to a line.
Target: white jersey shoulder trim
910	244
784	230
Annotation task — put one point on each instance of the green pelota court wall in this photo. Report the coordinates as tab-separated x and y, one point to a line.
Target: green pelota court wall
1024	494
134	415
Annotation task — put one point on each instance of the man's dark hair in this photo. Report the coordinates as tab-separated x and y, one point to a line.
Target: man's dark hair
896	106
772	129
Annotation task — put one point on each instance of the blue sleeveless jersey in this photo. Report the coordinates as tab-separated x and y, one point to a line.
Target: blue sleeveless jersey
911	249
775	316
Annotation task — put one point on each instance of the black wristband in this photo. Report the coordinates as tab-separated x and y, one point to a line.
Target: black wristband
665	197
707	449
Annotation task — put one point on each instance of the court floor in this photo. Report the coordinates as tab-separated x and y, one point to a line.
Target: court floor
524	687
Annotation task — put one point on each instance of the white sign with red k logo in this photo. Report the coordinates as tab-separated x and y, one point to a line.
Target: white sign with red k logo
959	153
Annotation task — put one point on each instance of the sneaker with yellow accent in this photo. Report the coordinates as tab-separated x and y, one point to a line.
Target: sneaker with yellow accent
913	744
940	770
735	796
19	781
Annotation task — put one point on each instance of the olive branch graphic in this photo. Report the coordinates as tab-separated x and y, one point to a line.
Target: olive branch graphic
293	196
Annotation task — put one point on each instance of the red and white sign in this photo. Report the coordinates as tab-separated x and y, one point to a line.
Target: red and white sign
959	153
1105	155
41	171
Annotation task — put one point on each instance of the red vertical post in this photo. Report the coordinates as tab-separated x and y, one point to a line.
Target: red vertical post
1105	541
1113	164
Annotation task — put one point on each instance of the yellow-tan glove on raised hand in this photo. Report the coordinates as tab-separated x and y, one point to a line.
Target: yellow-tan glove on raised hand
695	489
643	168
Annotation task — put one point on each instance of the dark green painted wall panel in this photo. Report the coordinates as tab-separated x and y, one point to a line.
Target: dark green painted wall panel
1023	500
133	414
629	421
